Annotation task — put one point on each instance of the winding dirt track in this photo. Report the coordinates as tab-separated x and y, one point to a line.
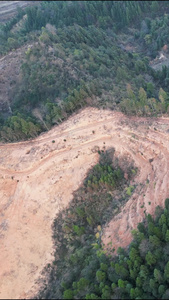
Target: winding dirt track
37	179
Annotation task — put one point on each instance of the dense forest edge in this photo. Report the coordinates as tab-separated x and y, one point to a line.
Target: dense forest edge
83	268
75	58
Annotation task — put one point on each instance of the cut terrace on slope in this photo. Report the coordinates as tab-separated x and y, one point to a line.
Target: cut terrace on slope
38	178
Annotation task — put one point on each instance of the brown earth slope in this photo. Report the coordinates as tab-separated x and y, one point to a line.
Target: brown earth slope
38	177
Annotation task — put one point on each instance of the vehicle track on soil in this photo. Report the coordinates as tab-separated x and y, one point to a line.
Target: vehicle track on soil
38	178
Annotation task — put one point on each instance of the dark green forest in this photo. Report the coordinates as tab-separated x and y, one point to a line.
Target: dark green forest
76	60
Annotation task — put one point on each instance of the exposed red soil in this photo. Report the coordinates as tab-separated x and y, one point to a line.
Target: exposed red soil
38	177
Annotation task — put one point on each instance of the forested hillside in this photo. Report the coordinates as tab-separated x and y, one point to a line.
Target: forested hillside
83	268
69	55
142	272
74	58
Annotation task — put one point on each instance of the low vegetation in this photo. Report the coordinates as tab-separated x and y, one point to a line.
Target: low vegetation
83	268
139	272
77	230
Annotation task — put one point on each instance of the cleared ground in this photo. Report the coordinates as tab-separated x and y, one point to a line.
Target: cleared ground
38	177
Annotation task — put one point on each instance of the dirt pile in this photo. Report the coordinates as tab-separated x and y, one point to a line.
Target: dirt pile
38	177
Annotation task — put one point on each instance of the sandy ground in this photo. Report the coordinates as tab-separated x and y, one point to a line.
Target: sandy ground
38	177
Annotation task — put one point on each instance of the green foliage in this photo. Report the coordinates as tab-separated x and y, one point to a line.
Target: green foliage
129	190
141	105
167	236
82	283
140	272
92	296
68	294
104	175
103	267
101	276
78	230
77	234
75	60
166	272
150	258
17	128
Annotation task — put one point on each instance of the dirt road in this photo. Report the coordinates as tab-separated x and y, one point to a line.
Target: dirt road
37	179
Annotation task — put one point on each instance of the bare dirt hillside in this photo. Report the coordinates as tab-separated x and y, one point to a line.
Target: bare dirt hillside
38	177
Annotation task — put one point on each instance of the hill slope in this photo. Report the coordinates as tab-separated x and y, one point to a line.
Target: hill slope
38	178
98	59
56	60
